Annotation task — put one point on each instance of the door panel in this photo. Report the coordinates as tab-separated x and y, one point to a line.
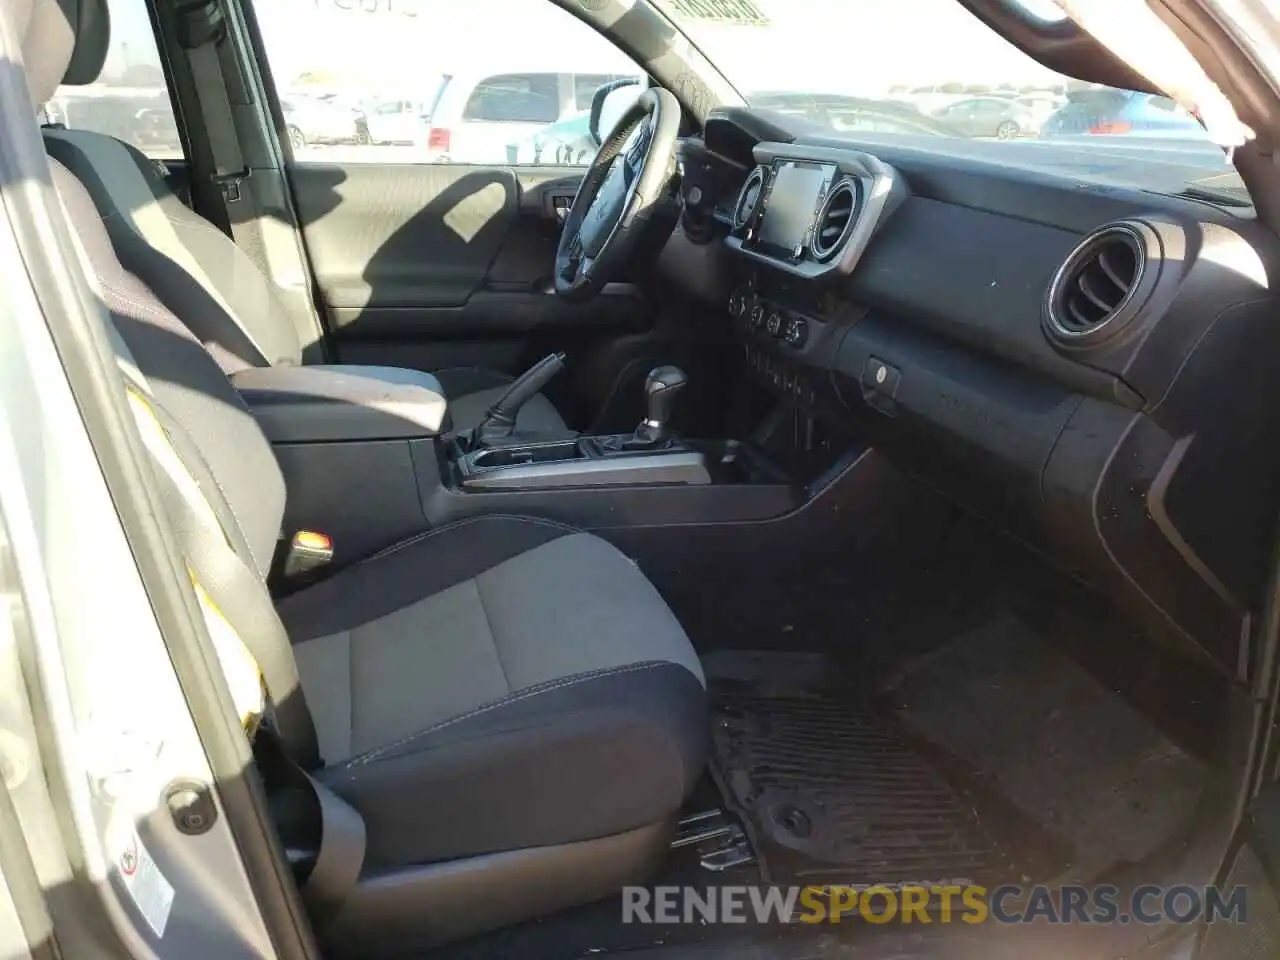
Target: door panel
435	265
400	236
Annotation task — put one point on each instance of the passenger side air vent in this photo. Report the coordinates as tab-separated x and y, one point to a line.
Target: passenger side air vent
1097	291
835	220
749	199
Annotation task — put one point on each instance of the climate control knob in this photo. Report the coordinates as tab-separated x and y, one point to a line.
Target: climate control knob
775	323
797	332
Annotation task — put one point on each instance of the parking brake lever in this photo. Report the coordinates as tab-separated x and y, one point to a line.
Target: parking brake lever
500	419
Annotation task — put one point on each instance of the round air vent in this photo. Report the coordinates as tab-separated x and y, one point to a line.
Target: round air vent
1099	289
748	199
835	219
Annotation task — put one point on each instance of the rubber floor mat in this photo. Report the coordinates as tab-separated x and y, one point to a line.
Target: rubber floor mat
832	789
1060	746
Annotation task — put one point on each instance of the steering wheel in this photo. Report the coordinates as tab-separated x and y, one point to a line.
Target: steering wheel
618	195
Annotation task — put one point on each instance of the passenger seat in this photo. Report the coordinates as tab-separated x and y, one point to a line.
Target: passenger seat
197	271
507	703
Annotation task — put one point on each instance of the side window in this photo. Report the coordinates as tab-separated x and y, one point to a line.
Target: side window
470	87
515	98
129	100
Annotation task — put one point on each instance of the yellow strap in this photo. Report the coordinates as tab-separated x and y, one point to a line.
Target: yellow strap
239	666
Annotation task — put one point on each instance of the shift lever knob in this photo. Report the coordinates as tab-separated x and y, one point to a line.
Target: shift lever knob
661	388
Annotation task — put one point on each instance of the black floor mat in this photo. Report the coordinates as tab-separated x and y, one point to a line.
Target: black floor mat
1061	747
833	789
994	758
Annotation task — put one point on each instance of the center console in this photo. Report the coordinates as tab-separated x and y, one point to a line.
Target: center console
581	462
369	458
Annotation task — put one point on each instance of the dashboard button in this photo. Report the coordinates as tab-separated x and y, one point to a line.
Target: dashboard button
880	382
775	323
757	315
797	332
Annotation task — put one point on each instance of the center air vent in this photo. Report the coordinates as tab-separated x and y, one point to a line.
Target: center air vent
835	220
749	199
1098	290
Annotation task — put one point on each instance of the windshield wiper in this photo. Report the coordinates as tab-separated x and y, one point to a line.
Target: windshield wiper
1215	196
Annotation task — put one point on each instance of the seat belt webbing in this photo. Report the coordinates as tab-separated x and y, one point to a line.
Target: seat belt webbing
229	590
228	168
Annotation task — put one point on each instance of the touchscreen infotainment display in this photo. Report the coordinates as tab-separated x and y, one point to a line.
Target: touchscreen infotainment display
792	204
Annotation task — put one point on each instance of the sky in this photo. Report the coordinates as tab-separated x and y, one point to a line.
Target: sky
848	46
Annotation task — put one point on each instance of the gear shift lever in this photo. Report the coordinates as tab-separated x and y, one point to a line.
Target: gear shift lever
662	388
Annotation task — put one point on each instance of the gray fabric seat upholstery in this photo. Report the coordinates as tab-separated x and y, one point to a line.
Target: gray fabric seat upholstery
507	702
208	281
498	683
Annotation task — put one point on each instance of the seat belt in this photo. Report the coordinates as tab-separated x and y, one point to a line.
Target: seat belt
227	167
230	590
339	858
218	163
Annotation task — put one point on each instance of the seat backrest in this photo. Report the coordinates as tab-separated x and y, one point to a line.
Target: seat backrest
200	436
191	266
205	443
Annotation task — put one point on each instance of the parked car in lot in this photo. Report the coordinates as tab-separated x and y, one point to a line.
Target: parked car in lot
852	114
999	117
1041	106
311	119
479	115
141	116
404	120
1102	111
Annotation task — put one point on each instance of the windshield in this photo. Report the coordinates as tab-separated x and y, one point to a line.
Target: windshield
929	73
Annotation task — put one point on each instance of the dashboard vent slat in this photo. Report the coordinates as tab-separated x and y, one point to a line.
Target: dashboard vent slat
836	219
1097	285
748	203
1098	300
1114	275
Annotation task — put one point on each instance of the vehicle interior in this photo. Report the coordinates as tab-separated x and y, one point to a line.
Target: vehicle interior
757	503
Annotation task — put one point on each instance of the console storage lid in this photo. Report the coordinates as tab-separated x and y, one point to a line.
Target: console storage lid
343	402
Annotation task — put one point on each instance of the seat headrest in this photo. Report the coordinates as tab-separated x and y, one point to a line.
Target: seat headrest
93	38
63	41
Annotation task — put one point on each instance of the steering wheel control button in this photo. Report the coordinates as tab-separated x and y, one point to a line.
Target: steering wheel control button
880	382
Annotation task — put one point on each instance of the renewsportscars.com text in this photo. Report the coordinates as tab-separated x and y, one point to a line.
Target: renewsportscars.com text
944	903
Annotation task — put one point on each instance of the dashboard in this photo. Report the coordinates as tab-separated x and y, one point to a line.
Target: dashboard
1090	367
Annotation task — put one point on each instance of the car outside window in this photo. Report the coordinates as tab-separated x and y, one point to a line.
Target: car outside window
130	99
973	93
516	98
484	82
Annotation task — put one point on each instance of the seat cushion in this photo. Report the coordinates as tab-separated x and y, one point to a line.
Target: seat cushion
473	390
496	684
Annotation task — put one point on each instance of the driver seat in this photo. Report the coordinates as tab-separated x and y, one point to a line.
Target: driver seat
199	273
